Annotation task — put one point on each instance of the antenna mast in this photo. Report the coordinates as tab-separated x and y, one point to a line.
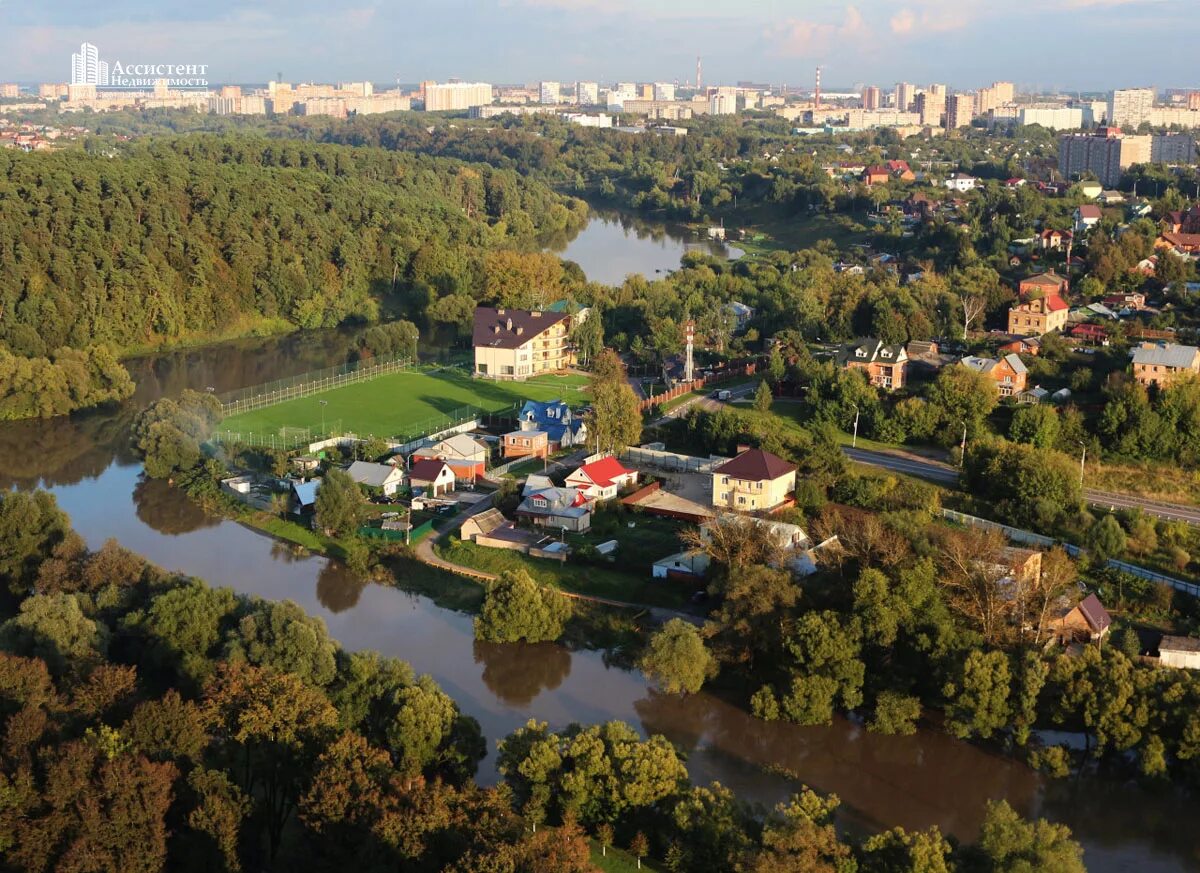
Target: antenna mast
698	73
817	92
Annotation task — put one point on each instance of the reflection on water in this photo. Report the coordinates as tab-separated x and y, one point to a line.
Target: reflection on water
614	244
518	672
917	781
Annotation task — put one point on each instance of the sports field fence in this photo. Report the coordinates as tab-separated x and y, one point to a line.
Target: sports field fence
307	384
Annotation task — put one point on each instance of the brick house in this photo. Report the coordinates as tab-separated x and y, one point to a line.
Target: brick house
1009	373
885	366
1042	308
526	444
1155	364
519	343
1087	621
754	480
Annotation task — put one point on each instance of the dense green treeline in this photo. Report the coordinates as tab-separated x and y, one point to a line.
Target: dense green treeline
151	722
172	239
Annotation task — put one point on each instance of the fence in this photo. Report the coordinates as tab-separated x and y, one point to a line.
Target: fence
682	388
306	384
670	461
1029	538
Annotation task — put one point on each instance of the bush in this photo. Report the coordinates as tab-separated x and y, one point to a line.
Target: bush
1054	761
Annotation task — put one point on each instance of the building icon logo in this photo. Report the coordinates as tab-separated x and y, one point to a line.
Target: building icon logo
87	68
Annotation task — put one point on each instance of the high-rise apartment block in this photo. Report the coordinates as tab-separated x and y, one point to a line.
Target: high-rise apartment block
931	107
960	109
9	91
664	91
587	93
870	98
1106	153
994	96
1173	148
903	96
937	90
456	96
550	93
1129	108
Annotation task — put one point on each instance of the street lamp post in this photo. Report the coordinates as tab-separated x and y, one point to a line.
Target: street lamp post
962	452
1082	461
323	403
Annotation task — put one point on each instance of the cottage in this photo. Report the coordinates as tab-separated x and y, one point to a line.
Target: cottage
1179	652
526	444
1087	621
565	508
1009	373
1087	216
1022	345
518	343
464	454
754	480
563	428
1092	334
692	564
434	477
1090	189
1053	240
1179	243
305	465
885	366
1155	364
876	175
741	314
961	182
384	478
304	496
602	477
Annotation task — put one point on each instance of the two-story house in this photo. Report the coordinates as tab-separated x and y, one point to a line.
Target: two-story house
1009	373
1042	308
562	426
602	477
755	480
1155	364
519	343
885	366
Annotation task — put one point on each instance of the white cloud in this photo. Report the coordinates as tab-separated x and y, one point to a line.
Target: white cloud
798	37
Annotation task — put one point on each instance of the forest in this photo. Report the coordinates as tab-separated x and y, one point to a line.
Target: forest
133	246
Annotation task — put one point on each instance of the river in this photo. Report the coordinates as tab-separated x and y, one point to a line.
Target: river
917	781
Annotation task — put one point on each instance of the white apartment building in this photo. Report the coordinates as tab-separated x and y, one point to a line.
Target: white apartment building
587	93
456	96
1128	108
550	93
664	91
903	96
960	108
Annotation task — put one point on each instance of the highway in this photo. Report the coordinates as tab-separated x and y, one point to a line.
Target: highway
944	474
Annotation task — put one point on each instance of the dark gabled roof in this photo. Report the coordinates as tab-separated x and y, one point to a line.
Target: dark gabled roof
426	470
1179	644
868	351
511	328
1095	613
755	465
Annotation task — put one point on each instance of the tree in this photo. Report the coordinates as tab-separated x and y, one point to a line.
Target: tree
588	336
614	421
801	838
1105	540
339	504
639	846
54	628
515	608
763	398
32	527
963	396
168	728
737	542
895	713
280	635
677	658
168	433
1009	844
979	700
755	615
827	668
218	810
1037	425
901	851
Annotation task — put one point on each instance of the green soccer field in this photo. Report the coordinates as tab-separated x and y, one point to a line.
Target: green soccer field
401	404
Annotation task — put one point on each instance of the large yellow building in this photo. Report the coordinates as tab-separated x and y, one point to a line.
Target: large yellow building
755	480
519	343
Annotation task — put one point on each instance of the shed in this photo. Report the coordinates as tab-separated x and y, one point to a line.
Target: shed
1179	652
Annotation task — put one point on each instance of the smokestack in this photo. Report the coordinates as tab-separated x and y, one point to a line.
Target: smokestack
817	94
699	78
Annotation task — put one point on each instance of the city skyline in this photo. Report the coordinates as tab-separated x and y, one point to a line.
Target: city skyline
966	44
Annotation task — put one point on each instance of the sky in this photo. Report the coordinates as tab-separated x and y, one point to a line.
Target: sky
1063	44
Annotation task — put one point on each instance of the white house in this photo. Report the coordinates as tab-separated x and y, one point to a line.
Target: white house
1087	216
602	477
961	182
383	477
435	476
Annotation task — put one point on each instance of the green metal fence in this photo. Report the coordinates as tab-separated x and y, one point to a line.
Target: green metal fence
306	384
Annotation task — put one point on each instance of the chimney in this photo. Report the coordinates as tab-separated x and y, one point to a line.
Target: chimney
509	324
499	311
536	313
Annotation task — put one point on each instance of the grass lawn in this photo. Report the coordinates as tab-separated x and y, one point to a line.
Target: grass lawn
401	404
649	539
618	861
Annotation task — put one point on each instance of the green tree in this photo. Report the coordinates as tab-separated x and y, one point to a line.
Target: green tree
515	608
827	668
962	396
280	635
763	398
895	713
1105	539
32	527
54	628
614	421
1009	844
340	506
901	851
979	701
1036	424
677	658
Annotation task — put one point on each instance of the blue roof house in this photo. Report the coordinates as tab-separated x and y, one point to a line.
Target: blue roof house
562	426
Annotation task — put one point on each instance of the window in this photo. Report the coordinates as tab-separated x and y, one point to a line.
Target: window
483	368
725	496
741	500
724	480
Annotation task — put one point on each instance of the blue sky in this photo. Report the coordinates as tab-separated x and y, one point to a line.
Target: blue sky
1071	44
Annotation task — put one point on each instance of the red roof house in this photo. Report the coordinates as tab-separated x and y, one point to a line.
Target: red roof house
602	478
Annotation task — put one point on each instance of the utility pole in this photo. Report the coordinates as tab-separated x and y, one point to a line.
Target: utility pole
854	440
962	456
1082	462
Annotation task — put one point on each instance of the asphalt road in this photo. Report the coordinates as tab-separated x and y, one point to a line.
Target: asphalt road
944	474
